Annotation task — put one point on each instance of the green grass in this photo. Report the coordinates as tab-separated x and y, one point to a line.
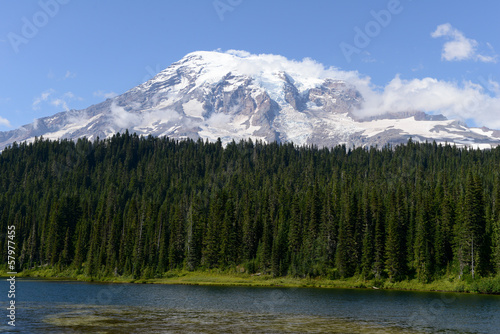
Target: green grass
489	285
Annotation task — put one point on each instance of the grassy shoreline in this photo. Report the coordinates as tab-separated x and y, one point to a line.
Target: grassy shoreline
217	278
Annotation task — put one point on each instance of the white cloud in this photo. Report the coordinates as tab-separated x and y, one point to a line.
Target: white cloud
124	119
164	115
77	117
219	120
69	75
459	47
106	95
71	96
463	101
492	86
50	97
487	59
42	98
4	122
60	103
239	53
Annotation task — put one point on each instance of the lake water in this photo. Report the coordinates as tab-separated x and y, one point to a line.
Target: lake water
76	307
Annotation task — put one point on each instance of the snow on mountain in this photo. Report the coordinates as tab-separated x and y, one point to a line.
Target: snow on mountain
236	95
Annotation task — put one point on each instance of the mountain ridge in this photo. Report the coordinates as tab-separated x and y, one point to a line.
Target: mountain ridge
236	95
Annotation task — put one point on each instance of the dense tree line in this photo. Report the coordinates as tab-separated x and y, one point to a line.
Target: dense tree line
142	206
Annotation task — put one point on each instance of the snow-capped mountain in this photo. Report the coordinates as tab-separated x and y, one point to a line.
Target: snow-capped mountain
236	95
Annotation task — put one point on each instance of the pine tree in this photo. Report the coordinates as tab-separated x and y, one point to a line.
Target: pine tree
330	225
194	225
211	246
176	250
470	232
228	247
346	259
380	242
444	230
367	258
395	241
496	226
423	248
279	249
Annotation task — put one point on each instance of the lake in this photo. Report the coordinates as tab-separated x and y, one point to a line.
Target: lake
78	307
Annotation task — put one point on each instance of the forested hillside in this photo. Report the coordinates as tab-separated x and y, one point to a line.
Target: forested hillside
141	206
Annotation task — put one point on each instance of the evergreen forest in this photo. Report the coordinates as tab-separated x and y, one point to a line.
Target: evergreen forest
142	206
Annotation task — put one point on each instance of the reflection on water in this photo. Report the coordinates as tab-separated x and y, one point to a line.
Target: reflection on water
91	319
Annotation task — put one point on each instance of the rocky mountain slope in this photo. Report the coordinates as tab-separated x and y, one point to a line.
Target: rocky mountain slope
237	96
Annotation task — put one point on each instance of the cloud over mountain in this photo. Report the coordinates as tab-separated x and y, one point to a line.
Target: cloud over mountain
236	95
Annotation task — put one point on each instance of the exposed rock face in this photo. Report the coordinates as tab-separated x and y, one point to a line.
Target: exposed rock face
214	95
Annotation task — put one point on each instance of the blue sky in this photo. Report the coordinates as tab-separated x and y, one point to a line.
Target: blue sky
70	54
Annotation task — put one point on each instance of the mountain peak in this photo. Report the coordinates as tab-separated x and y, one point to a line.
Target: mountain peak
236	95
